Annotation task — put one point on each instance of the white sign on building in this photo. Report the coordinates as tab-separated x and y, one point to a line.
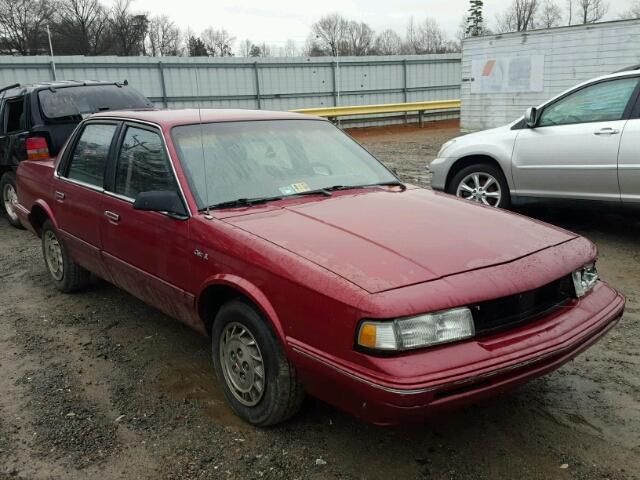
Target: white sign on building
508	74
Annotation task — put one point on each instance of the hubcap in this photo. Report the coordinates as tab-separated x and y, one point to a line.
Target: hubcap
480	187
10	200
53	255
242	364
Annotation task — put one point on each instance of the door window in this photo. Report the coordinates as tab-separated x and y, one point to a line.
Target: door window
15	120
143	165
602	102
90	154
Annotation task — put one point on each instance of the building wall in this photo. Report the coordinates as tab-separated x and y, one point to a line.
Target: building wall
571	56
264	83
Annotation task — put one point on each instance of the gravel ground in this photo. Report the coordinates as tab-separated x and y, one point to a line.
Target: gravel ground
97	384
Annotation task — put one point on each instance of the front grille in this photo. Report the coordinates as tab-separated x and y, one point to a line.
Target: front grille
514	310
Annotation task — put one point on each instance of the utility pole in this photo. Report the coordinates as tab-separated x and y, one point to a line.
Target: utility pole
53	62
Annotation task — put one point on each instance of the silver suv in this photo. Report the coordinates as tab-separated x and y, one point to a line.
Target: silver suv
582	144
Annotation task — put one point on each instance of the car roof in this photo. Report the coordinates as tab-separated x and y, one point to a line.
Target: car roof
189	116
29	87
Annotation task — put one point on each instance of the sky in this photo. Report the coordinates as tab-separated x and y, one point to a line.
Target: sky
275	21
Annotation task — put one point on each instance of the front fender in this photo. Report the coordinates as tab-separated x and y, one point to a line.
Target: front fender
252	292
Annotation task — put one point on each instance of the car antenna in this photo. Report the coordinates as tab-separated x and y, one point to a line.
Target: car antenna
204	162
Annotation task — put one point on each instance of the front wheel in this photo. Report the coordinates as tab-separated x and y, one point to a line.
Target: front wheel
481	183
258	380
10	198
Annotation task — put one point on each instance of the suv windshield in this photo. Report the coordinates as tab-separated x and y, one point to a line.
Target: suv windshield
72	102
227	162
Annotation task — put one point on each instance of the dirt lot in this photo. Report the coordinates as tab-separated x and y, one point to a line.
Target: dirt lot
97	384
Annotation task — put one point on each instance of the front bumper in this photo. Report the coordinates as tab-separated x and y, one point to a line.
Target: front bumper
509	359
439	169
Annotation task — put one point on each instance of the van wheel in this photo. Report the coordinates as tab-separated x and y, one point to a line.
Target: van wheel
67	275
481	183
10	198
258	380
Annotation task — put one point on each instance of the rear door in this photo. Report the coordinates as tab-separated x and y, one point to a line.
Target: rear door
573	150
629	158
78	188
147	253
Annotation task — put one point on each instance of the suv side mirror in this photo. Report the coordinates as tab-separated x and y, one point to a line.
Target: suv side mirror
161	201
531	117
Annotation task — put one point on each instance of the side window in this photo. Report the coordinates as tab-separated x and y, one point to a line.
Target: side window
15	120
602	102
89	156
143	165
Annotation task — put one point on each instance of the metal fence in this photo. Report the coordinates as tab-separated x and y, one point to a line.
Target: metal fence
266	83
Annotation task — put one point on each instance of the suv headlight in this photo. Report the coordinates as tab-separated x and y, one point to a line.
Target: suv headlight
584	279
416	332
445	146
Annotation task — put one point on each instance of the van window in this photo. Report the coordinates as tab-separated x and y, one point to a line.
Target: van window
15	120
74	102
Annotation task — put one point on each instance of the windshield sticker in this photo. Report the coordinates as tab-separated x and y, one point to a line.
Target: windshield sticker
294	188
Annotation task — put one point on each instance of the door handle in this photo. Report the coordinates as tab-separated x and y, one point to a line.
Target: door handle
114	217
607	131
59	195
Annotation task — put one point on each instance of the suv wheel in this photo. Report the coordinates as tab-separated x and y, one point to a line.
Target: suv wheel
67	275
10	198
481	183
258	380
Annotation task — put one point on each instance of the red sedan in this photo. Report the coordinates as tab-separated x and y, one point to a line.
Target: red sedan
310	266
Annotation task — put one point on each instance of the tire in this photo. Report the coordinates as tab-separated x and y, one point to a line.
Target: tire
66	275
9	197
281	392
485	171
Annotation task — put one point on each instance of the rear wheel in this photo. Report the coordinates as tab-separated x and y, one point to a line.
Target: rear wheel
258	380
67	275
10	198
481	183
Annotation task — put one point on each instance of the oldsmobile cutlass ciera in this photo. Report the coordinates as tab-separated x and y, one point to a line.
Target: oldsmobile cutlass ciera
310	265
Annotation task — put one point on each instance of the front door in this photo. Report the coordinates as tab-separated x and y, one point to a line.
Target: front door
573	150
147	253
78	191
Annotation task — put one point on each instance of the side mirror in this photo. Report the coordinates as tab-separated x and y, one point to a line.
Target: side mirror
161	201
531	117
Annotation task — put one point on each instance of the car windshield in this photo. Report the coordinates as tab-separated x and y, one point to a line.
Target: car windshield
233	161
72	102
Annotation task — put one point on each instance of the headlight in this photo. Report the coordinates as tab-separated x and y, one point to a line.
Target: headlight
445	146
584	279
416	332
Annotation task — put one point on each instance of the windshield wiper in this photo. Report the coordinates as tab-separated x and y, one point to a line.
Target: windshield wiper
241	202
393	183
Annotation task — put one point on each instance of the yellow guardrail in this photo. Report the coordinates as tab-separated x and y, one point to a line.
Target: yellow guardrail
420	107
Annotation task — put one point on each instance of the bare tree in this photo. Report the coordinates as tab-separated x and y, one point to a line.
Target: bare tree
219	43
591	11
632	12
22	26
388	42
266	50
519	17
290	49
329	34
164	37
426	37
81	28
550	15
245	48
358	38
128	29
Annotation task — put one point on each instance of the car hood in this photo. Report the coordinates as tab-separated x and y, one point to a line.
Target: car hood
382	240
